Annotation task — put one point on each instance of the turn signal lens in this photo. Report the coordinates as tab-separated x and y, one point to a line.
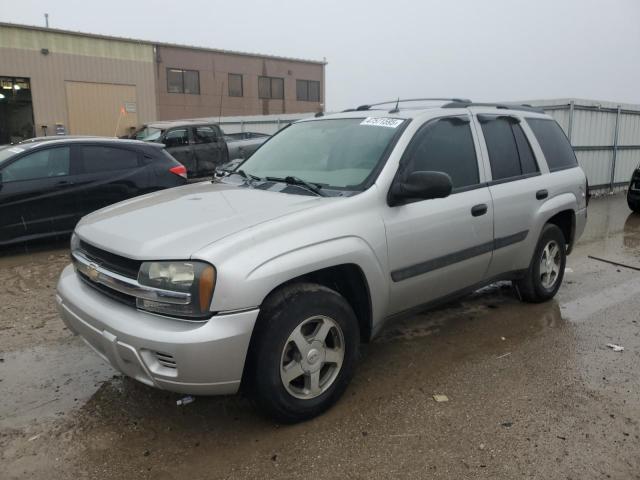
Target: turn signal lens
205	288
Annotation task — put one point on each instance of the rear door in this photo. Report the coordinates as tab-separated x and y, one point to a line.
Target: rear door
108	174
207	147
38	195
178	145
440	246
517	188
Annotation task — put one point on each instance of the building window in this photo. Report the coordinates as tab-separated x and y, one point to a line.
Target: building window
235	85
183	81
308	90
271	87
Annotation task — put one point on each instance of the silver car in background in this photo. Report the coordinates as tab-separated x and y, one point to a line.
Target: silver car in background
270	277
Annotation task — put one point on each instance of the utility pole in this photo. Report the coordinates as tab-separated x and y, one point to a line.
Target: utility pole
46	20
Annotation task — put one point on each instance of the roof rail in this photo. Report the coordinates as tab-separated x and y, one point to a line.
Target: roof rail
368	106
505	106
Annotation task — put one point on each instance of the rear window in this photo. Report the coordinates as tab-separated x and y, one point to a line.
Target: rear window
554	143
103	159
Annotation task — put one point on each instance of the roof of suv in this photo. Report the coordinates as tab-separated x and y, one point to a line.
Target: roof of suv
413	108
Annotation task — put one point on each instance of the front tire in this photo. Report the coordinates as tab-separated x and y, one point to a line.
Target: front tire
545	273
303	353
633	205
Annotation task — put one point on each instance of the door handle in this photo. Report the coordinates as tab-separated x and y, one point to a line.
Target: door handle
63	184
478	210
542	194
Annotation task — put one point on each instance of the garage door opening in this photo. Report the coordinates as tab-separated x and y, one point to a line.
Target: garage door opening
16	110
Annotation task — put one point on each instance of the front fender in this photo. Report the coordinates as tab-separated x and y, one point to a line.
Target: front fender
249	289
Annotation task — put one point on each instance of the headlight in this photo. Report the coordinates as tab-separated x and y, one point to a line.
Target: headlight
196	278
75	242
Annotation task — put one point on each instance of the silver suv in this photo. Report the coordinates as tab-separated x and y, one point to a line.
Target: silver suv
270	277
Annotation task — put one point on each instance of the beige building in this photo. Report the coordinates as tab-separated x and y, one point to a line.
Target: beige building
54	82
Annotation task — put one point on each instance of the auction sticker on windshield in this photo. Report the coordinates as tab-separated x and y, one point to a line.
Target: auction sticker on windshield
382	122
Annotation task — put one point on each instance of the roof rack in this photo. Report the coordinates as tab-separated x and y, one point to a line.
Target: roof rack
506	106
368	107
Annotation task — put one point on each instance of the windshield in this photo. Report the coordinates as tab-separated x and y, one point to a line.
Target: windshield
149	134
339	153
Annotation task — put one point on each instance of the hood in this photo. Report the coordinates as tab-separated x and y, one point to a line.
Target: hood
177	222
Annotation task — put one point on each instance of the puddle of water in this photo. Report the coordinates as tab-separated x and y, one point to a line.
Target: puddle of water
45	381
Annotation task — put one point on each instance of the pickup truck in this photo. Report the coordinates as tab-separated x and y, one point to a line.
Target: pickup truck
200	146
269	278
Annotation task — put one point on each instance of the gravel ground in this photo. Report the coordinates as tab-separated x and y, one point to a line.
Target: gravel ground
533	391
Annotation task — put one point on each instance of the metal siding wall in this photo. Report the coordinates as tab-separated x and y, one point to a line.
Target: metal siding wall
596	165
629	133
593	128
626	162
49	73
26	39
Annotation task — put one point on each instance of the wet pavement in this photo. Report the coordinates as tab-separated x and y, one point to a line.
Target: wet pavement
533	391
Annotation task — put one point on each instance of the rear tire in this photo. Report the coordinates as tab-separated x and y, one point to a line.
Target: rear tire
545	273
303	352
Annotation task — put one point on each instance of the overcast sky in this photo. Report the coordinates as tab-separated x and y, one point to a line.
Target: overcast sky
377	50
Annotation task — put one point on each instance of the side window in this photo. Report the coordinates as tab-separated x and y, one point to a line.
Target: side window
445	146
527	160
554	143
97	158
204	135
52	162
176	137
510	154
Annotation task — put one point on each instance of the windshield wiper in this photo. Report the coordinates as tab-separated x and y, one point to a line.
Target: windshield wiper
249	179
314	188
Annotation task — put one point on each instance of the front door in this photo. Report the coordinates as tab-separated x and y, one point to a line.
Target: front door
38	195
207	149
177	142
440	246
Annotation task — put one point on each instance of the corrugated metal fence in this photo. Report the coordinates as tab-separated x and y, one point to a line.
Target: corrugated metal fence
268	124
604	135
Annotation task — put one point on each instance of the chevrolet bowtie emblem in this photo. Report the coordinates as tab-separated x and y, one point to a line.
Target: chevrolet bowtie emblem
92	272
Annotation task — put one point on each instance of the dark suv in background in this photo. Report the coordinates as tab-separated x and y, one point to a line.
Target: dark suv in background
633	194
48	184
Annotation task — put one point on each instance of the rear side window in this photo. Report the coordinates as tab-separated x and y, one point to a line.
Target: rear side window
96	159
445	146
554	143
510	154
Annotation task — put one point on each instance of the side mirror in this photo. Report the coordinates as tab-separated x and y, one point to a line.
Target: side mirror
420	185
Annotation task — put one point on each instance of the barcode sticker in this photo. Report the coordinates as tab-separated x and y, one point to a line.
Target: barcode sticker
382	122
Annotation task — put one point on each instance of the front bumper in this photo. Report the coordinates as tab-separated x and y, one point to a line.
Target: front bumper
204	358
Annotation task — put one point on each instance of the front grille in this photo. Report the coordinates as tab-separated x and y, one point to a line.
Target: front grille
111	261
113	294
